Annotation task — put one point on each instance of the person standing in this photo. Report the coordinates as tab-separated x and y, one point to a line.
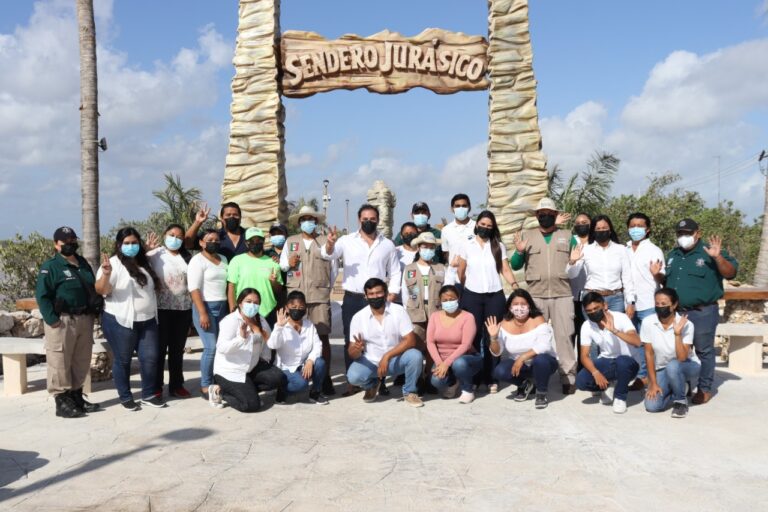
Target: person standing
231	235
458	231
420	215
696	270
581	228
406	253
278	234
544	253
64	294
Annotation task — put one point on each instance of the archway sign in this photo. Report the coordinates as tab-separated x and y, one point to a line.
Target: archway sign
269	65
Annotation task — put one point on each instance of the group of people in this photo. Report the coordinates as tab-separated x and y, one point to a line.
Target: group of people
427	308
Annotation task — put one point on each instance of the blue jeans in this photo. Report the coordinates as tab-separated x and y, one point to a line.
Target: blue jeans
705	323
463	369
143	339
216	310
621	370
363	373
672	381
541	369
639	352
297	383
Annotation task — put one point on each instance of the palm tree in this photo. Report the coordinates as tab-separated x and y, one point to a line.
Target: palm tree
761	270
89	132
587	191
179	204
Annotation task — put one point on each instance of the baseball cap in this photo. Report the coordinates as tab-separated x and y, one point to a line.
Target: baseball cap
252	232
687	225
63	234
278	227
420	206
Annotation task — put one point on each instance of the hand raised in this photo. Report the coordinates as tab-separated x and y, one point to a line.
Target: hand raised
680	324
203	214
294	260
282	317
577	253
655	267
607	321
492	326
106	266
333	235
520	243
715	246
153	241
562	218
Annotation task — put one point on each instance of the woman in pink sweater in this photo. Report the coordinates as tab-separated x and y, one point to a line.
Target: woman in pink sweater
450	332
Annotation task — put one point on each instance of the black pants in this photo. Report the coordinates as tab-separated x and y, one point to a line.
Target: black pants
172	330
578	321
244	396
352	304
482	306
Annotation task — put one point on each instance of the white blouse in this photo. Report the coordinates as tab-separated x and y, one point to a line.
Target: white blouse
540	339
207	277
237	356
481	275
128	301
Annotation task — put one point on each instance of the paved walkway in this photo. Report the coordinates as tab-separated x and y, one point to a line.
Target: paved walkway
493	454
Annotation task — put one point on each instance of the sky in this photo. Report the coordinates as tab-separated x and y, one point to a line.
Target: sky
666	86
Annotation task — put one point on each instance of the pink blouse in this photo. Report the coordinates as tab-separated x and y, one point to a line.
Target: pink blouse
446	344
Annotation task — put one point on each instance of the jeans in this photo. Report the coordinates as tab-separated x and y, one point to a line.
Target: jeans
297	383
639	352
705	323
216	310
481	306
363	373
172	330
462	369
143	339
351	304
244	396
541	369
672	381
621	370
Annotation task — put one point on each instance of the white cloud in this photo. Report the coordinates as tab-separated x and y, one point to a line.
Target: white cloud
296	160
466	168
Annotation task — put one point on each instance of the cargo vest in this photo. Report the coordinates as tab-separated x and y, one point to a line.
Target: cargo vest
545	263
414	287
312	277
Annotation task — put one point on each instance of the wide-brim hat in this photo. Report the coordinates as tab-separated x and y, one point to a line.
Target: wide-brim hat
545	203
307	211
426	237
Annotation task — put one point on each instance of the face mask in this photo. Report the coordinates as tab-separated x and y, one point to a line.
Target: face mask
172	243
232	224
484	233
520	312
250	309
450	306
686	241
426	254
407	239
597	316
602	236
129	250
256	247
546	221
297	314
369	227
212	247
460	212
278	240
377	302
636	234
420	219
69	249
663	311
581	229
308	226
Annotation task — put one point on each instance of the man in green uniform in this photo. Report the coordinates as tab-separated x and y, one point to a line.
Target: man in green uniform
420	216
64	291
696	270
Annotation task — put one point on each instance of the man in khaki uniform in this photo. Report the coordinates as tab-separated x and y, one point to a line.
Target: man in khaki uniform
544	252
307	272
64	290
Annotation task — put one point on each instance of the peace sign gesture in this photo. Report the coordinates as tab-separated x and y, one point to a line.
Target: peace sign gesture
680	325
333	235
655	267
106	266
203	214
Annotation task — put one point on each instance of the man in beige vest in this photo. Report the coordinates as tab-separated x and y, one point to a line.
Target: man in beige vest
312	275
544	252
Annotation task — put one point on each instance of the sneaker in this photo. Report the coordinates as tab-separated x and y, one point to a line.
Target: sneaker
569	389
701	397
524	391
450	391
328	389
493	388
607	395
370	394
413	400
180	393
619	406
214	396
130	405
383	389
541	401
466	397
316	397
679	410
155	401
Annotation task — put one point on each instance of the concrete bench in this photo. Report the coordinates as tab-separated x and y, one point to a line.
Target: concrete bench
745	354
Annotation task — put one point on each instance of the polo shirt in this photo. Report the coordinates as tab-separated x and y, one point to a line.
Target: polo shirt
380	337
610	345
694	275
663	340
481	275
247	271
454	234
57	281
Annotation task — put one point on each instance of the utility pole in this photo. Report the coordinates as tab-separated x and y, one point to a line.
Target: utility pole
326	198
718	180
761	269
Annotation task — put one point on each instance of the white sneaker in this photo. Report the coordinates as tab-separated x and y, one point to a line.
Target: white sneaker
619	406
466	397
450	391
607	395
214	396
493	389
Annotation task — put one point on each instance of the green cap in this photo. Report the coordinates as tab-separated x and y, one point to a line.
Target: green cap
252	232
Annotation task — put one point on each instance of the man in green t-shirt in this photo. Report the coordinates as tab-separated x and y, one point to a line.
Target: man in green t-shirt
256	270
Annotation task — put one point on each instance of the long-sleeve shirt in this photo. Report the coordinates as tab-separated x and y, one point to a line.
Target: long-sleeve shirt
446	344
237	356
362	262
645	284
294	347
608	268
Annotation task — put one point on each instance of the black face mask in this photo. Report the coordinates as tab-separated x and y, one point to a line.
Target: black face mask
484	233
581	229
369	227
377	302
256	248
212	247
663	311
297	314
407	239
546	221
232	224
602	236
69	249
597	316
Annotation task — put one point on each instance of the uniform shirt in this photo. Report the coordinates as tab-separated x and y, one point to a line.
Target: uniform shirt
286	267
237	356
663	340
207	277
294	347
607	269
481	275
541	340
455	234
362	262
694	275
609	344
57	281
172	272
382	337
640	261
247	271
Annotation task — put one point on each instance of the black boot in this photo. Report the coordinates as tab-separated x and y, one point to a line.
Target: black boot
82	403
65	406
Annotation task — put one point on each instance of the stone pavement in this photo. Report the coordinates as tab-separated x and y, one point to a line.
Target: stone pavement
493	454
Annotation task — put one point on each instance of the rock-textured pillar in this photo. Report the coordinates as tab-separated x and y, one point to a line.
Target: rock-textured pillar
517	176
385	200
255	168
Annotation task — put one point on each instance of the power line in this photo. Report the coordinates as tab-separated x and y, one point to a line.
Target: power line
724	171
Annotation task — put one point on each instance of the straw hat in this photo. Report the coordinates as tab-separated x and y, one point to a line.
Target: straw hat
426	237
307	211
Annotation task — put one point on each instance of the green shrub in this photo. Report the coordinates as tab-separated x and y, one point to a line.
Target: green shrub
20	260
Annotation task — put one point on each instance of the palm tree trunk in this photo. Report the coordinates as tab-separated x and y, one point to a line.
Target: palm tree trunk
761	270
89	132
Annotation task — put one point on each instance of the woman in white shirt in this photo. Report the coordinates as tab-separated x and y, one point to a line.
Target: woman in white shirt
668	340
174	308
241	368
528	341
128	284
481	259
299	349
207	283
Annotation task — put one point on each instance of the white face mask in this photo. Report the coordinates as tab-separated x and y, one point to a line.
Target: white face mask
686	241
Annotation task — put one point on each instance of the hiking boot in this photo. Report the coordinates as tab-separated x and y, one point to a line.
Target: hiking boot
130	405
524	391
82	403
413	400
541	401
370	394
66	407
679	410
155	401
316	397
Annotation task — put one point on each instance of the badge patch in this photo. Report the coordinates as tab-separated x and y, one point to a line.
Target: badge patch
670	261
411	274
294	247
700	262
68	273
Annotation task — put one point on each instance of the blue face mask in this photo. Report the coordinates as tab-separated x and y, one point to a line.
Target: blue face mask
426	254
277	240
461	212
129	250
173	243
420	219
637	234
250	309
450	306
308	226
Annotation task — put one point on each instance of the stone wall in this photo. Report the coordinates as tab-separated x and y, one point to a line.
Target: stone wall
742	312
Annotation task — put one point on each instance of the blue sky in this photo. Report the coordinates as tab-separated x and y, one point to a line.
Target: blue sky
665	85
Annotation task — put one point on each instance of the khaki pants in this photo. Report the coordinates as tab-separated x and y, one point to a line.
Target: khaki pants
559	311
68	351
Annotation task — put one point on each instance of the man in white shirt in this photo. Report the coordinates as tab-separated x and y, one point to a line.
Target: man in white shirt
460	229
384	344
615	367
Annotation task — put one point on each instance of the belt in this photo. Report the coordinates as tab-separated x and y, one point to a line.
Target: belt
698	307
606	293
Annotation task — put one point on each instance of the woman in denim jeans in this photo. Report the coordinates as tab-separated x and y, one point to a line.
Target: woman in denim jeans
128	284
207	283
